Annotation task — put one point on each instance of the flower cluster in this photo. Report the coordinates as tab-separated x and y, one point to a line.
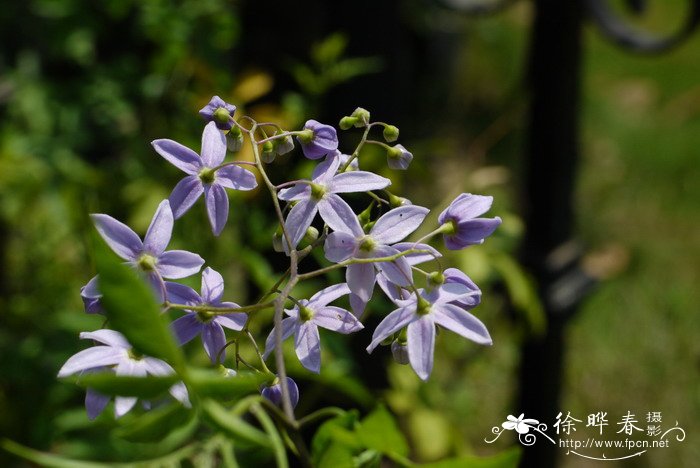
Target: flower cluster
371	246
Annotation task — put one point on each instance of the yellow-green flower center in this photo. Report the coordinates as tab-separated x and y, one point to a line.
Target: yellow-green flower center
136	356
367	244
207	175
205	316
221	115
147	262
317	191
306	136
449	228
423	306
305	314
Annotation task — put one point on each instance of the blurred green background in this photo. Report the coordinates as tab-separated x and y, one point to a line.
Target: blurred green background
85	86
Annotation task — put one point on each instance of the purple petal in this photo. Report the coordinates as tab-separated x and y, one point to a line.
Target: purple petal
398	223
299	219
157	367
296	192
358	181
398	271
402	161
186	328
90	294
325	171
288	326
235	177
214	340
95	403
325	140
212	285
392	323
450	292
421	346
461	322
217	207
357	305
307	345
123	405
97	356
466	206
185	194
360	278
417	258
161	228
474	231
274	393
120	238
176	264
179	156
392	291
108	337
337	320
339	246
181	294
233	321
213	145
329	294
338	215
179	392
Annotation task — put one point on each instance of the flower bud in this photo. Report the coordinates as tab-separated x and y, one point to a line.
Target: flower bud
274	392
283	145
278	241
436	278
311	234
347	122
400	352
391	133
365	216
362	116
398	157
395	201
268	152
234	141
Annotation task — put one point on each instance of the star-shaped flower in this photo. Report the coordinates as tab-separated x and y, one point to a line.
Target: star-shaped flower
204	175
274	392
317	139
150	255
116	353
219	112
421	314
320	195
461	227
304	320
350	241
209	326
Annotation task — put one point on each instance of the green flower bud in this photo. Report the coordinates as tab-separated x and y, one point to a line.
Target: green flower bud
347	122
234	141
436	278
365	216
268	152
222	116
278	241
311	234
362	116
390	133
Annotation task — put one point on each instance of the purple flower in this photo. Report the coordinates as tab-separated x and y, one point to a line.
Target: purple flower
219	112
317	139
274	392
117	355
453	275
321	195
304	320
461	227
150	255
352	242
91	295
394	291
205	175
398	157
209	326
421	314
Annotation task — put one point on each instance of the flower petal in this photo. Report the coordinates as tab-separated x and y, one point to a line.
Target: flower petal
176	264
307	345
357	181
417	258
214	340
325	171
233	321
398	223
474	231
120	238
336	319
123	405
461	322
357	305
296	192
181	294
360	278
338	215
450	292
339	246
421	346
178	155
185	194
329	294
398	271
212	285
161	228
392	291
108	337
217	207
235	177
288	326
466	206
299	219
186	328
97	356
95	403
213	145
157	367
392	323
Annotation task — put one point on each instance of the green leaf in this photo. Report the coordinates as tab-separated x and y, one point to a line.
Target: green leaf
336	456
109	383
48	459
507	459
522	291
213	384
379	431
338	429
233	425
131	308
155	425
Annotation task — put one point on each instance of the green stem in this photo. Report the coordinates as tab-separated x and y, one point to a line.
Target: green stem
221	310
